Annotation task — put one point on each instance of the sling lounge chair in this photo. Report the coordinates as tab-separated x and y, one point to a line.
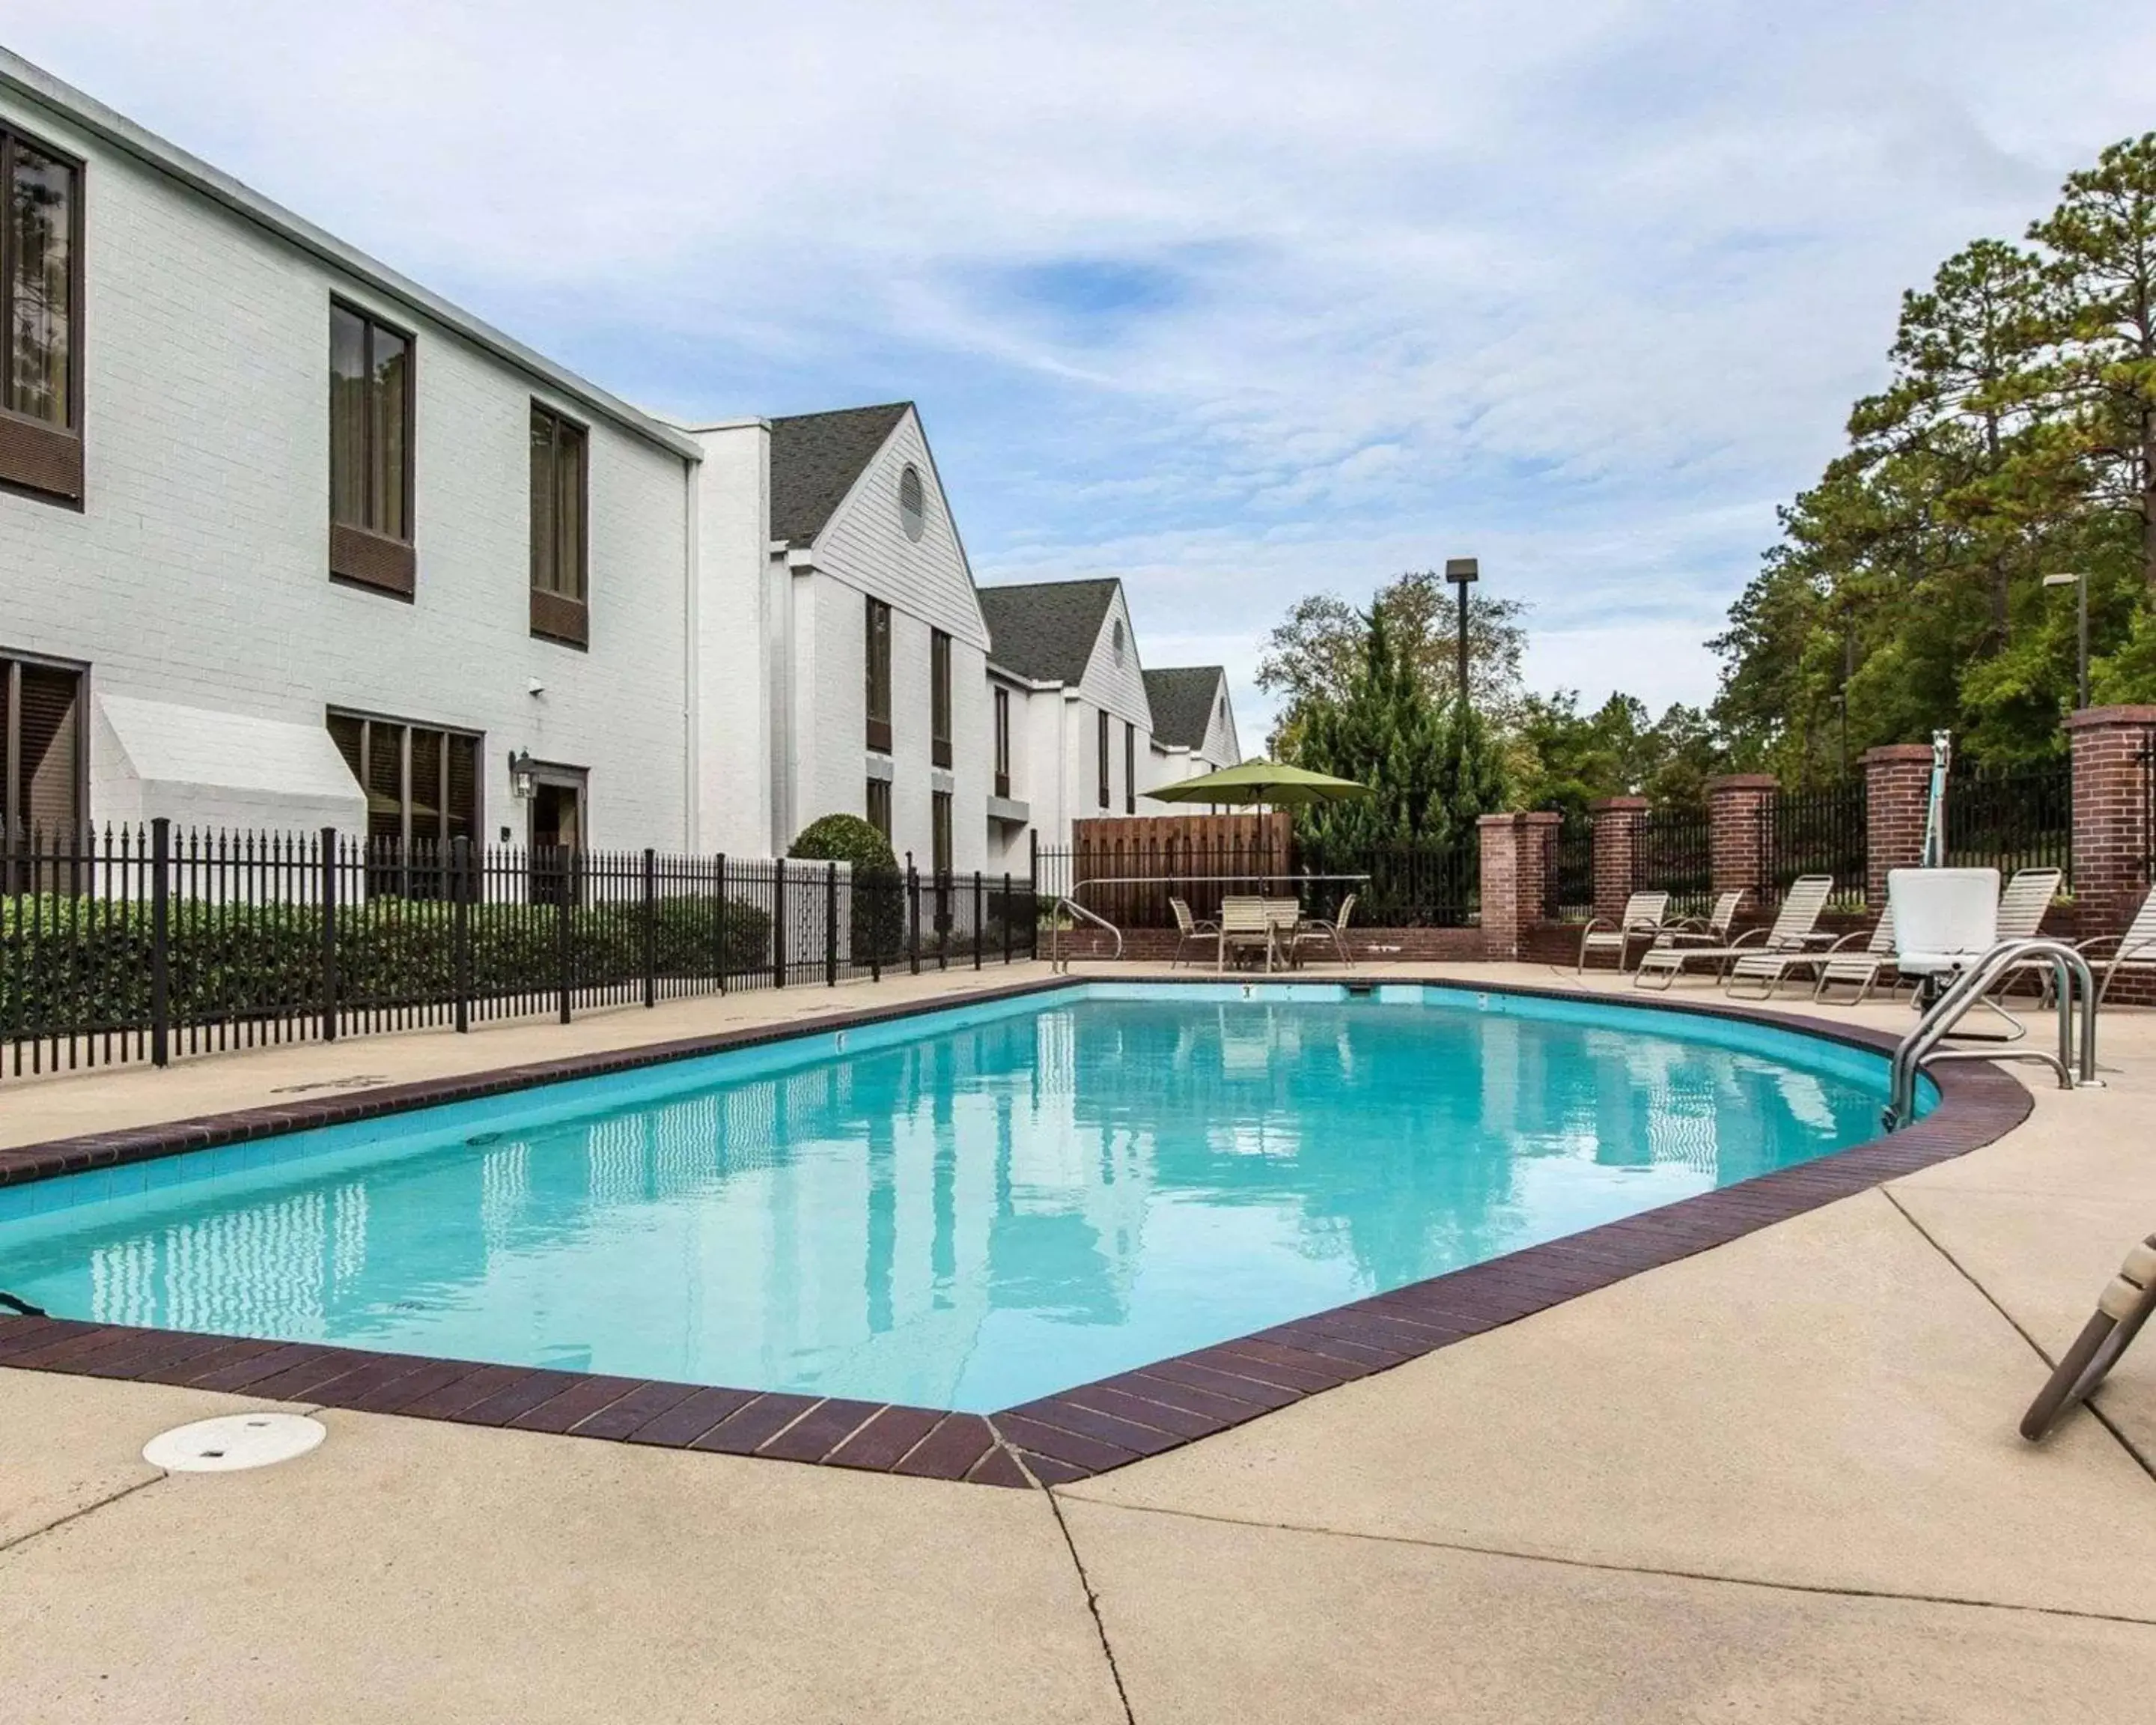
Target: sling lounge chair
1792	944
1846	966
1188	929
1642	921
1327	930
1666	958
2133	952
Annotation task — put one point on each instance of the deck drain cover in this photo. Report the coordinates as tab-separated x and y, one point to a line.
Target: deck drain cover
233	1441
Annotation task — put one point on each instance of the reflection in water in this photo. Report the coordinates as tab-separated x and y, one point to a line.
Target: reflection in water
968	1219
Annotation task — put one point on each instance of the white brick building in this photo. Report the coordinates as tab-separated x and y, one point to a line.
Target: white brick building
288	540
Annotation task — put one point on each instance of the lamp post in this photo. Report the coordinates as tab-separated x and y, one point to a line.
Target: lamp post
1462	573
2078	580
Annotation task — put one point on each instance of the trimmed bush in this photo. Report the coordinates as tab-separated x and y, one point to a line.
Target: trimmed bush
877	923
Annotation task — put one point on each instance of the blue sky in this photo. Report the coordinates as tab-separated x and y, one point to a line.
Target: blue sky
1238	303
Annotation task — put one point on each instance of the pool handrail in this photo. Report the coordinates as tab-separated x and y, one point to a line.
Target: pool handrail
1920	1048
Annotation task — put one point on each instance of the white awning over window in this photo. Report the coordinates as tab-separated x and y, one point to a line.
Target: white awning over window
205	768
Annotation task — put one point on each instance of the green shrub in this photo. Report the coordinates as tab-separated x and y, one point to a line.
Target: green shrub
877	920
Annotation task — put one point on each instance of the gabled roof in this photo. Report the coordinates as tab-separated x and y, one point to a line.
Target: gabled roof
1046	630
815	458
1182	699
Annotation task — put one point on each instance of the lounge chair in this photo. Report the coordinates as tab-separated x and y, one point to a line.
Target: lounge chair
1791	932
2127	1301
1642	921
1247	925
1690	933
2021	907
1858	970
2133	952
1189	928
1792	944
1324	931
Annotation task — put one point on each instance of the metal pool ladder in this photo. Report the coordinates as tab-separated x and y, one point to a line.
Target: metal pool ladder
1920	1048
1056	960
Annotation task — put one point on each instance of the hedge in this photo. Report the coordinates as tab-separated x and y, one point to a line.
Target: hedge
70	965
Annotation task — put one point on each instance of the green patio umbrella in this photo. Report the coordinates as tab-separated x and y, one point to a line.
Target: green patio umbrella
1262	782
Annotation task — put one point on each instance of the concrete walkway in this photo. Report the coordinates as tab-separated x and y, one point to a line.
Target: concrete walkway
1776	1481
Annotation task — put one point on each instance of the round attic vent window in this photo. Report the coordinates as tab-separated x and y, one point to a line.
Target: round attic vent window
912	505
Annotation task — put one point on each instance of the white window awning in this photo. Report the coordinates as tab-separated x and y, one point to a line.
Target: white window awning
201	768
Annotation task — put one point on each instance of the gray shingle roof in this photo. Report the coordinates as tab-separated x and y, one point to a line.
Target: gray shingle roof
1045	630
1181	698
815	458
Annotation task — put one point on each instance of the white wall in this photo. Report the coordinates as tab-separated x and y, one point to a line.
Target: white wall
731	741
197	573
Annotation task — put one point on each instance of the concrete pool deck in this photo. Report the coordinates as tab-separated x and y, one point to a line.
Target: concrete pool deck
1778	1480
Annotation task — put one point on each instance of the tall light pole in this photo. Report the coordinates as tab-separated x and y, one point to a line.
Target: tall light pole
1462	573
2078	580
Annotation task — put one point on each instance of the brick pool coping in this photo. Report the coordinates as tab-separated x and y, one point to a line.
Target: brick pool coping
1054	1440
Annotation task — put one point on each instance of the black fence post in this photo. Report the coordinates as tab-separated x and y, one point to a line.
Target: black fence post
978	928
651	927
161	932
460	952
719	878
913	915
566	889
327	894
1032	897
778	922
831	925
871	921
1006	916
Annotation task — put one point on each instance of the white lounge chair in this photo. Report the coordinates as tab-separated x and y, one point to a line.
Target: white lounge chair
1793	944
1679	941
1189	928
2133	953
1844	967
1641	921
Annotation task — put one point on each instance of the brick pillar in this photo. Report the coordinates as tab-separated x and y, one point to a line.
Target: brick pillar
2112	833
1519	861
1616	841
1740	813
1897	790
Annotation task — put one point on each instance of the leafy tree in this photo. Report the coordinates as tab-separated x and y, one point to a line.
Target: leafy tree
1615	751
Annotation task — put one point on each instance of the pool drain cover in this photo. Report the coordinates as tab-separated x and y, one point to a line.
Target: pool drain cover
233	1441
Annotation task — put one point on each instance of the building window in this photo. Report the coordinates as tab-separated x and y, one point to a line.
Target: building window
423	791
879	675
560	538
1115	639
1100	753
912	503
1003	743
41	773
880	805
370	402
939	830
939	697
41	288
1130	768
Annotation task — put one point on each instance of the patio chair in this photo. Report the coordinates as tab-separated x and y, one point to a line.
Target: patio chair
2127	1302
2021	907
1692	931
1793	944
2133	952
1642	920
1246	925
1791	931
1321	931
1859	970
1189	928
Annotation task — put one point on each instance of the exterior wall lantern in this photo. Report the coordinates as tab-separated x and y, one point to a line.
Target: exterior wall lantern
522	781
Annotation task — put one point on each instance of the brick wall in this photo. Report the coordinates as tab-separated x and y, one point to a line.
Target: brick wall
1617	822
1518	869
1897	789
1741	811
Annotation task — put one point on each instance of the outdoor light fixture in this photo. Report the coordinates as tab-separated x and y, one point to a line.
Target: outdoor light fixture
1461	571
2078	580
521	780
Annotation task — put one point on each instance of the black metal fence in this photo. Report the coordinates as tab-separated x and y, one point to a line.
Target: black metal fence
1574	888
2012	818
1673	852
139	944
1822	832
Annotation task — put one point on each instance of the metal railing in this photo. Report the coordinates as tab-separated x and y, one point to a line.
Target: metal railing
1825	831
1921	1047
1058	961
2012	818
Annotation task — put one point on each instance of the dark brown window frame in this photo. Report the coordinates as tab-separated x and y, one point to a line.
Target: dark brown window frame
879	791
476	738
939	698
14	794
557	616
1130	768
876	645
1003	743
941	832
37	458
360	555
1100	749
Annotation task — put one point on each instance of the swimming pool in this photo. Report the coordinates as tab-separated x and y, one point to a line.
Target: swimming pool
964	1208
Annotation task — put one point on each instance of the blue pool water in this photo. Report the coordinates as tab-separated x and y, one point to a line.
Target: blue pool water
965	1209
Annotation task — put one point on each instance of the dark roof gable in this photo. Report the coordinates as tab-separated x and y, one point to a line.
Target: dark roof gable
1046	630
815	458
1182	699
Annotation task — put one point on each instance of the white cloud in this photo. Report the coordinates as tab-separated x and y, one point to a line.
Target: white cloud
1583	286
